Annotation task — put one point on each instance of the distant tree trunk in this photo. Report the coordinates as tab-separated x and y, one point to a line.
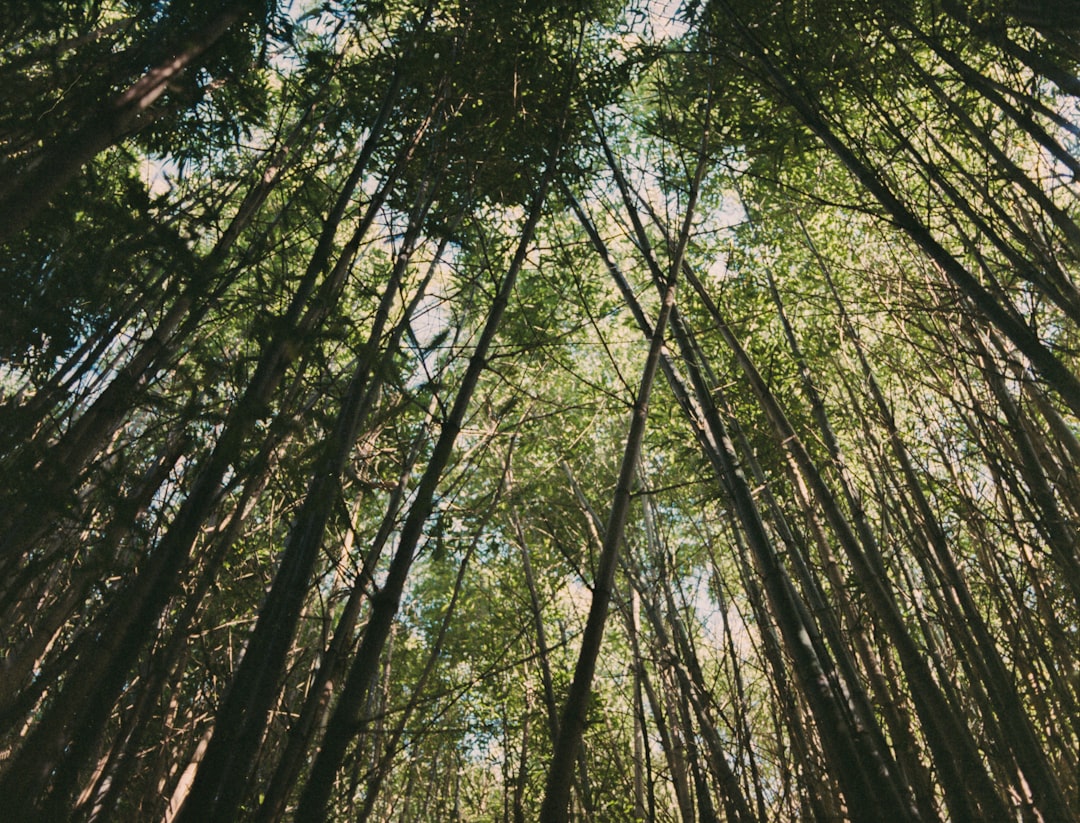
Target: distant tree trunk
839	737
522	779
641	812
316	703
555	806
692	688
382	768
60	467
1004	317
706	810
535	608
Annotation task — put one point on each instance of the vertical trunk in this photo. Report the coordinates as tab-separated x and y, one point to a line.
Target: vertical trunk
390	749
645	689
672	748
554	808
745	745
221	781
550	704
702	790
639	717
694	691
346	716
522	779
681	775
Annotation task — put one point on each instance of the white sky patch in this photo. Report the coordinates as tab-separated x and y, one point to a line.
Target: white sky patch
577	597
663	19
652	21
155	174
723	223
719	269
712	618
431	318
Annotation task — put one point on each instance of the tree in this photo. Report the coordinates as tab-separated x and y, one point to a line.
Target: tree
362	459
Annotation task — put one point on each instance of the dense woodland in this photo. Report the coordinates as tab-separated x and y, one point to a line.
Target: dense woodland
506	410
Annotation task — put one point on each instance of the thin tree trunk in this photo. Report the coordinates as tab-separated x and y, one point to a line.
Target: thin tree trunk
1056	373
555	806
221	781
382	768
316	704
692	688
87	697
847	764
346	716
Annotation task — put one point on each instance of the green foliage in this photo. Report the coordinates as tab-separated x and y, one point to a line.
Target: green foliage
936	498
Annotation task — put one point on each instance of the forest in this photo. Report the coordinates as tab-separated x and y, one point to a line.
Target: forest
559	410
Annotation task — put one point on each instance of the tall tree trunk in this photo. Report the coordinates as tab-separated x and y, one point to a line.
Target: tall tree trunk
1056	373
382	768
985	657
346	716
82	707
316	704
693	691
555	806
221	780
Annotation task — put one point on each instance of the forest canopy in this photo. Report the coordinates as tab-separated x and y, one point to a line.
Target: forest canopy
546	410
